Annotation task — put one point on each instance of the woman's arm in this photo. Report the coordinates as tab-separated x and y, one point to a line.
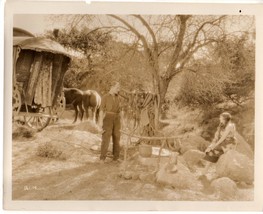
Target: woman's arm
212	145
216	137
229	128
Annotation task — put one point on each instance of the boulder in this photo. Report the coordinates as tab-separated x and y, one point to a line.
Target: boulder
152	161
235	166
193	142
243	147
193	157
224	188
181	179
127	175
95	147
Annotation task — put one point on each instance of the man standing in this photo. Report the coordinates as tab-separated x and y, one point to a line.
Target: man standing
110	117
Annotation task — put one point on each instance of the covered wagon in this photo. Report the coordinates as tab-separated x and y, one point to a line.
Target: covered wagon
39	66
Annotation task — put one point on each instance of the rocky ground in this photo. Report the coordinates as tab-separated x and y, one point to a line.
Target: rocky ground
61	163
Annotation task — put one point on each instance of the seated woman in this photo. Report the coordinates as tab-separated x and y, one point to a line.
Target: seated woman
223	141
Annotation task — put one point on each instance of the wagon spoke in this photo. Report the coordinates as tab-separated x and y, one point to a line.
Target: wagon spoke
37	121
32	119
29	119
40	120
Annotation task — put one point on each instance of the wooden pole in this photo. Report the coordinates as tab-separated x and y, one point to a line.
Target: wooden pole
149	138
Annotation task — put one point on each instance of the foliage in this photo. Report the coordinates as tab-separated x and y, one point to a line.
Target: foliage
238	58
230	75
203	87
84	41
47	150
126	64
90	48
22	132
168	42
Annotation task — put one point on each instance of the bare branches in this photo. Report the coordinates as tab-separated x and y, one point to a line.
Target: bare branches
155	43
153	61
140	36
179	44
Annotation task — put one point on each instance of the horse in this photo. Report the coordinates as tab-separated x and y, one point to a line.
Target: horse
74	97
92	99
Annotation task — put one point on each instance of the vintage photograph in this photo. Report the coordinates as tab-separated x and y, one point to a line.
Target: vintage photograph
133	107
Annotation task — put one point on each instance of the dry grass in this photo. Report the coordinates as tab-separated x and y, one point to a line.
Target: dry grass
21	132
47	150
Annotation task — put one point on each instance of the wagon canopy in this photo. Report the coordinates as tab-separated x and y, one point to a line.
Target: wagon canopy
40	45
39	68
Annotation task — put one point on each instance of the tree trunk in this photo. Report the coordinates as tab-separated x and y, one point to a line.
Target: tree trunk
162	90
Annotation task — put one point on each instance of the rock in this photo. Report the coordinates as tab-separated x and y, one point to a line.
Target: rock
182	179
120	174
135	176
182	161
224	188
152	161
127	175
95	147
193	157
193	142
243	147
235	166
149	187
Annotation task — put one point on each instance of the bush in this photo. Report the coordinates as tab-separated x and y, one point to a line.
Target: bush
203	87
47	150
22	132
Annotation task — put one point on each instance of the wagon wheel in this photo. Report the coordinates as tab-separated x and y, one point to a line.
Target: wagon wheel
59	108
16	103
41	120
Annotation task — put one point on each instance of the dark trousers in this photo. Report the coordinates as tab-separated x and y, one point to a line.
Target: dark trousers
111	128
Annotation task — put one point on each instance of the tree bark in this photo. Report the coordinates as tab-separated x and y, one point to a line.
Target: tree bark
162	90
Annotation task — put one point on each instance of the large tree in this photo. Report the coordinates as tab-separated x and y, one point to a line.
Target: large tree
185	35
170	43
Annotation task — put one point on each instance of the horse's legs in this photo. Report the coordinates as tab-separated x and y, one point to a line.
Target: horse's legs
87	112
76	112
81	112
93	114
97	114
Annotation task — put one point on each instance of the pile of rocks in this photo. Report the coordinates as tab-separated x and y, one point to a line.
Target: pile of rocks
182	172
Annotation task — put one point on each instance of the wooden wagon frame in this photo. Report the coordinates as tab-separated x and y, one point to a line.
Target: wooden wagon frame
39	66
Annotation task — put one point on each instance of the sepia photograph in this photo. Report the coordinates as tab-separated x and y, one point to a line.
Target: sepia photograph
133	107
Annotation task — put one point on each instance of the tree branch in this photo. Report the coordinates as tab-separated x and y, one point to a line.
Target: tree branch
140	36
165	49
186	59
193	43
155	43
179	44
147	50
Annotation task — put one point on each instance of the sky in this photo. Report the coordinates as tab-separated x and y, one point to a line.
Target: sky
39	23
35	24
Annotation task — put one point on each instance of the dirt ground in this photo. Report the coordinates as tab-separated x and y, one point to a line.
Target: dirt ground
74	173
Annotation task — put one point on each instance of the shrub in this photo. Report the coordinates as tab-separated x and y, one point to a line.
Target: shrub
23	132
47	150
